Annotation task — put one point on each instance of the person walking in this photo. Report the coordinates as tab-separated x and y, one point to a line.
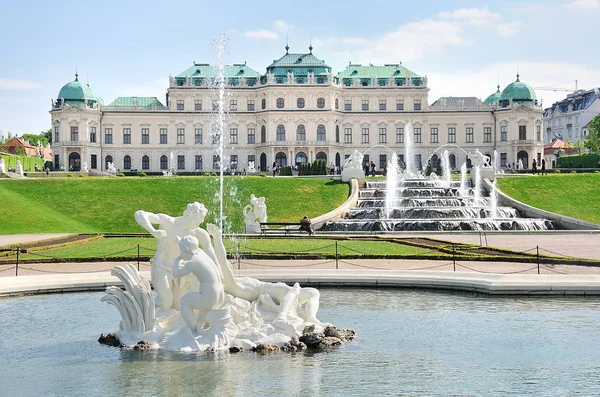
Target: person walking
372	168
543	166
534	167
366	168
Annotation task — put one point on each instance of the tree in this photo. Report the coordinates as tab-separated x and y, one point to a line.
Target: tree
46	136
580	146
592	140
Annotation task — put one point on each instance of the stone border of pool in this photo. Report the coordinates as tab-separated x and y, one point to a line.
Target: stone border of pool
490	283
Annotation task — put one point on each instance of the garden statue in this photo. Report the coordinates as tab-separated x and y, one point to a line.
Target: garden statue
85	167
2	166
254	213
251	168
110	168
19	168
353	167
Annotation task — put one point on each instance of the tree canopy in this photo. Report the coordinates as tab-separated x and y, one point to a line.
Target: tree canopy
592	140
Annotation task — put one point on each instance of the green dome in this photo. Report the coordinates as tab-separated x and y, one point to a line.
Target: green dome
75	93
518	91
494	98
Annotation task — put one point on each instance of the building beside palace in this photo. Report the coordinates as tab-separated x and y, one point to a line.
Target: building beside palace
298	111
568	119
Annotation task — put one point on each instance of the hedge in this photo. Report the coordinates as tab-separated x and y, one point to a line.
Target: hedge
27	162
586	161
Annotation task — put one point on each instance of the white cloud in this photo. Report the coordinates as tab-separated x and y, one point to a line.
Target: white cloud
480	17
508	29
584	4
283	26
262	34
8	84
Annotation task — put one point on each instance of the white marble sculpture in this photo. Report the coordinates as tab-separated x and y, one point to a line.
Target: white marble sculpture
19	168
254	213
85	167
353	167
2	166
251	168
215	309
110	168
486	170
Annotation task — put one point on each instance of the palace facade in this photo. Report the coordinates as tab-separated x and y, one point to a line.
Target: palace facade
298	111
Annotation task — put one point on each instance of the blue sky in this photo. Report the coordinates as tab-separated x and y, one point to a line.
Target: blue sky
129	48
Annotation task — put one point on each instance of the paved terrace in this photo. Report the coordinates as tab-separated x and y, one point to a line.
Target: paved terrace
483	277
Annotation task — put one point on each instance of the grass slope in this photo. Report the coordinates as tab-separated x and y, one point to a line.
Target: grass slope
93	205
574	195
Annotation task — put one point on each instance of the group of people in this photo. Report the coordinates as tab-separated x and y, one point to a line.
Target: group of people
542	168
369	168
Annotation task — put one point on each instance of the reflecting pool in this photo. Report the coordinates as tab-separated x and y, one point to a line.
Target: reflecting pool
409	343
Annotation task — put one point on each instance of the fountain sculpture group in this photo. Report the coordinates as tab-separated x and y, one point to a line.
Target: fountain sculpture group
200	304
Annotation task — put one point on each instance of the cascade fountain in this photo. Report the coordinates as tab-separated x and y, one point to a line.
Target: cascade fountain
410	202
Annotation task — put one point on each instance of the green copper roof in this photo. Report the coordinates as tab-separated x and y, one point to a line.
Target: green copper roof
203	70
75	93
387	71
298	61
139	102
518	91
494	98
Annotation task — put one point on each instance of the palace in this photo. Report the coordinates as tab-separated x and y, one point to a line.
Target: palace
298	111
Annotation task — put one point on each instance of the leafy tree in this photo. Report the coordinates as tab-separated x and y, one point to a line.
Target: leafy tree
46	136
579	145
592	140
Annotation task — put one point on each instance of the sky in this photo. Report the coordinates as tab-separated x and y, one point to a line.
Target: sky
129	48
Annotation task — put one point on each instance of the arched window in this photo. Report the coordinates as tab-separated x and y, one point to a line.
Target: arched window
263	162
280	103
322	156
263	134
280	133
337	133
301	158
301	133
164	162
281	159
321	103
127	162
263	103
300	103
452	160
337	103
338	160
524	157
107	159
145	162
321	133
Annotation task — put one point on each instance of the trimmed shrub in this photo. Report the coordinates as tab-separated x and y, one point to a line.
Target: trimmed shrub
142	174
69	175
121	174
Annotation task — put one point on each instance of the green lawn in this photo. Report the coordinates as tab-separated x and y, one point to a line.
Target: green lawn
95	205
127	247
574	195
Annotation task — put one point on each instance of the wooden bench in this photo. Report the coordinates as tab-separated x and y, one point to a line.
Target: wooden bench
285	227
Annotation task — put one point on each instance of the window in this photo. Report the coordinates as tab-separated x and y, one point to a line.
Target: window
216	162
503	160
487	134
399	135
347	135
365	104
434	135
301	158
181	162
216	136
233	162
263	103
198	162
382	135
417	104
365	135
451	135
382	161
280	133
301	133
75	134
108	137
417	135
251	159
538	133
280	103
180	135
145	136
164	162
337	104
126	135
348	105
321	103
251	135
337	133
251	105
94	162
522	132
263	134
233	105
198	136
92	134
233	135
163	135
145	162
300	103
382	104
197	105
180	104
321	133
399	104
56	134
469	135
503	133
215	105
321	156
418	161
127	162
